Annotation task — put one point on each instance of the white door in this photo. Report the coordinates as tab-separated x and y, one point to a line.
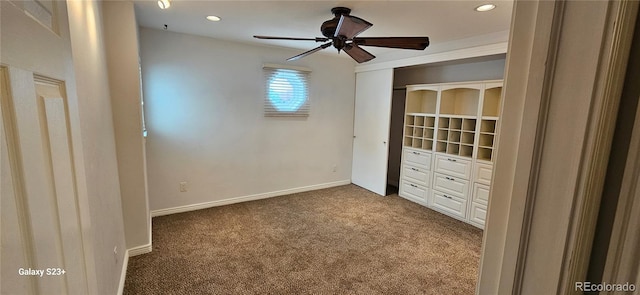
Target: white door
42	227
371	130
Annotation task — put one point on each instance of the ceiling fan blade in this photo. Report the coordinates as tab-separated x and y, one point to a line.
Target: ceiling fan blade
417	43
350	26
301	55
317	39
358	54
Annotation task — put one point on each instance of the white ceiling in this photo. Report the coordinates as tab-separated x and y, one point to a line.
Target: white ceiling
441	20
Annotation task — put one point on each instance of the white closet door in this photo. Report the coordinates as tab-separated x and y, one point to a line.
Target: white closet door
371	130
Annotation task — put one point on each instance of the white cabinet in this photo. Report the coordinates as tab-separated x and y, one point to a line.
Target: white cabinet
414	190
480	194
456	167
449	204
417	174
417	158
477	214
454	186
448	147
482	173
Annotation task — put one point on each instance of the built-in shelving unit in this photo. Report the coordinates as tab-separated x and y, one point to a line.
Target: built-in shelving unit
455	124
419	130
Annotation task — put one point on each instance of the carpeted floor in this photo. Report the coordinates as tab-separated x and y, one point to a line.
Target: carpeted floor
342	240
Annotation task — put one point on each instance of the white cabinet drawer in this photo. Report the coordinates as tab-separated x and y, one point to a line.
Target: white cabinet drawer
417	158
455	167
480	194
449	204
413	190
482	173
417	175
478	214
451	185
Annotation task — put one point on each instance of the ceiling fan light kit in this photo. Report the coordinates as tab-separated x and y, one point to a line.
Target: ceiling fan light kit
341	32
164	4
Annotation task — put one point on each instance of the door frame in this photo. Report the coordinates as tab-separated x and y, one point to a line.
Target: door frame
519	210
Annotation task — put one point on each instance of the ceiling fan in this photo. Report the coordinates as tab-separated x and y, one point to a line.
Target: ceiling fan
341	32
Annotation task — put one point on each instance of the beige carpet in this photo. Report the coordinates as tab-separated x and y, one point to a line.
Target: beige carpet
342	240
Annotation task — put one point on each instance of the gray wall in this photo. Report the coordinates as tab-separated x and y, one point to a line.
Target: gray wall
204	103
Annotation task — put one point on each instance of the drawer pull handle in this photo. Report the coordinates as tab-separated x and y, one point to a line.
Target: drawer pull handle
416	153
414	169
452	160
449	178
446	197
413	185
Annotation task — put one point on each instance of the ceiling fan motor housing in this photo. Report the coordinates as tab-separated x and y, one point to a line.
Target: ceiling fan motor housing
328	28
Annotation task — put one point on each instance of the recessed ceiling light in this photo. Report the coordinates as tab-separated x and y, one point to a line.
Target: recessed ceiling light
485	7
164	4
213	18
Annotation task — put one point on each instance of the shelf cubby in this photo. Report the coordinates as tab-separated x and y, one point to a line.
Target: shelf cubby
454	136
469	125
460	101
485	153
455	123
408	141
466	150
428	133
409	120
422	101
486	140
443	123
443	134
441	146
488	126
417	131
492	101
453	149
467	138
408	130
417	143
427	144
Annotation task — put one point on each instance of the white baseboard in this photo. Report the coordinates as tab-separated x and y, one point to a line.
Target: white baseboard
139	250
230	201
123	273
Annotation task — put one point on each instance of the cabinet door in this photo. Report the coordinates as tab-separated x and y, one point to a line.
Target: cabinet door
371	130
480	194
417	158
416	174
449	204
478	214
451	185
413	190
453	166
482	173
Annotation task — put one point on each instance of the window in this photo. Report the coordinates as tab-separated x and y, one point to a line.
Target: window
287	91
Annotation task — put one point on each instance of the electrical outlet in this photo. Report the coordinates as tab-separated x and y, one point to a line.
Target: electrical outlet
115	253
335	168
183	186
